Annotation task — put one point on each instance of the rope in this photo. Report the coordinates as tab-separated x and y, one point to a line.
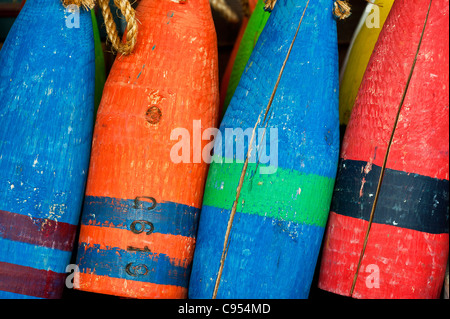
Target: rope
269	5
128	12
341	9
87	4
131	30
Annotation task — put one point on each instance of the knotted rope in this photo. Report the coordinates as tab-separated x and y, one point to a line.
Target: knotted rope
341	11
111	30
129	13
269	5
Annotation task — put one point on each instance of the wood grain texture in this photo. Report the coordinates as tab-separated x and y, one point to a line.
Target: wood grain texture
46	115
278	224
170	80
229	67
408	239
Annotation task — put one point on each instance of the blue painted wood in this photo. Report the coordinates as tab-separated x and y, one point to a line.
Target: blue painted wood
46	121
275	257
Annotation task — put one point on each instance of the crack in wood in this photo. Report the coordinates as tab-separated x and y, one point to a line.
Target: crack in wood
383	168
244	169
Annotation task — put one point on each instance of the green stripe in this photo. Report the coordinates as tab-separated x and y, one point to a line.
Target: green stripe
286	195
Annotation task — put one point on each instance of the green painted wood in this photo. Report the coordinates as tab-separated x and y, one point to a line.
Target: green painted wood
100	73
251	35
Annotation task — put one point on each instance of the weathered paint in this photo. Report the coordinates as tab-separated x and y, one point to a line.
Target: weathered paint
141	208
358	55
279	221
407	240
356	186
301	190
47	104
252	30
183	217
36	231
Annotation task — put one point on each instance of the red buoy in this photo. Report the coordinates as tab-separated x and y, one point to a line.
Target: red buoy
388	234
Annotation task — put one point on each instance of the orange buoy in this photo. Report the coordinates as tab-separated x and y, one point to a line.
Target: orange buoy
141	207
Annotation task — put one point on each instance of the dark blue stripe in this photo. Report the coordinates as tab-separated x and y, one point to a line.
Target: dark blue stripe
406	200
166	217
143	266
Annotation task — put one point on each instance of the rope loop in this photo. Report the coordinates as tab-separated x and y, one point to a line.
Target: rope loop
341	11
127	11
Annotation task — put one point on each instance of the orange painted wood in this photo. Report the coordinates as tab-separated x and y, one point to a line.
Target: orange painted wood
170	80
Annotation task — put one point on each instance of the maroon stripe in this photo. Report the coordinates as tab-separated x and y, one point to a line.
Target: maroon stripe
37	231
30	281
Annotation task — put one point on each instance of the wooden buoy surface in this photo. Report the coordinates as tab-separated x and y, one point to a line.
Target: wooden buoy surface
262	221
46	115
399	127
141	207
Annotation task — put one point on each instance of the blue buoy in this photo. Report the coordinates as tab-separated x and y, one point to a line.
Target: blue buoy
46	120
264	211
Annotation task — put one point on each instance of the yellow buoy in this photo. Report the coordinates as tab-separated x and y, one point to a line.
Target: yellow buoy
361	46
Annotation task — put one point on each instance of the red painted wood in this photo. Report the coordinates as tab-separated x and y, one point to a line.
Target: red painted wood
411	263
40	283
37	231
402	274
421	137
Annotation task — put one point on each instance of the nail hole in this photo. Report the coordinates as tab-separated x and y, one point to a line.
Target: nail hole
153	115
